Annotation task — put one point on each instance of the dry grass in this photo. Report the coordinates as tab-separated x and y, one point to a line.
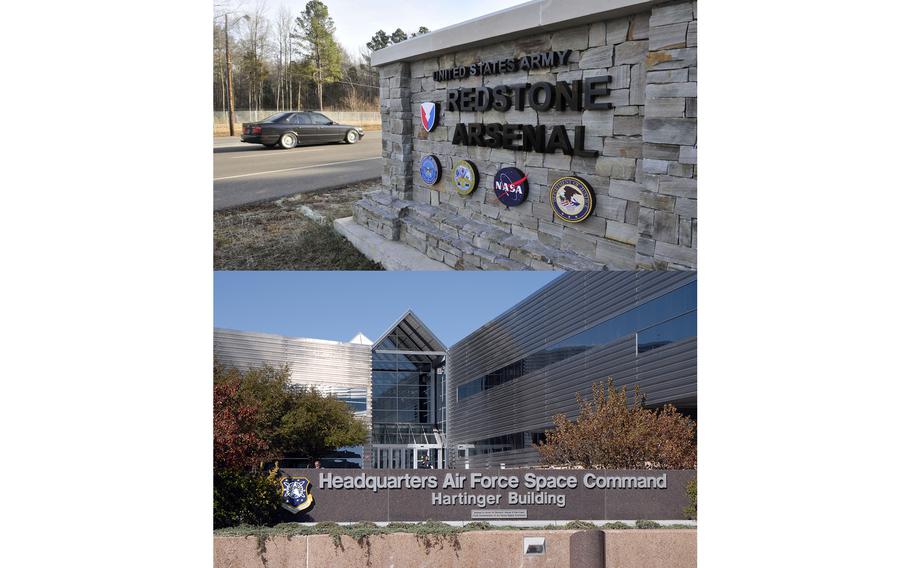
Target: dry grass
277	235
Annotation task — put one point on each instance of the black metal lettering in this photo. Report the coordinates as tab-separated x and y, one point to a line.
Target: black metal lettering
534	138
501	98
548	94
475	134
460	135
597	87
494	131
559	138
469	100
568	96
452	96
580	144
484	99
511	133
519	95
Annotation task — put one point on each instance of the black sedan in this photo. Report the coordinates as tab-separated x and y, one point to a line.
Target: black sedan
289	129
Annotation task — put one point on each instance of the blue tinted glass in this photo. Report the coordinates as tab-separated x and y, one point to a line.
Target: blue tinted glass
678	328
659	309
679	301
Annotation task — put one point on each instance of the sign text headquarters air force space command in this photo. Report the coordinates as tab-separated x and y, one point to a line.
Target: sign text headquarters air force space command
542	96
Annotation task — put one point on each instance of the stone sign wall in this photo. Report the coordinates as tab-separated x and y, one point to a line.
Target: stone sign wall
381	495
644	178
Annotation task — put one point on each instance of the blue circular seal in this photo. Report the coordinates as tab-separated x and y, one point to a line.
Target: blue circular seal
429	169
511	186
572	199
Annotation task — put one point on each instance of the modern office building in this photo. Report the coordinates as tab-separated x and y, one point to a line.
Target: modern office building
395	385
509	378
487	399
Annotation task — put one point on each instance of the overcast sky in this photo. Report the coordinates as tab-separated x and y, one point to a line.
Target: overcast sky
357	20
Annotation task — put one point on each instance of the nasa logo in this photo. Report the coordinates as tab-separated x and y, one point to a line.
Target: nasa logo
465	177
572	199
296	494
428	115
511	186
429	169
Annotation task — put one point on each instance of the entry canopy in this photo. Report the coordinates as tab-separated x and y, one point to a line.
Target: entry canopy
410	334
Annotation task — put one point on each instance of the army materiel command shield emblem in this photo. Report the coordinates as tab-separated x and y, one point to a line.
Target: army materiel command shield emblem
429	112
465	177
296	494
511	186
572	199
429	169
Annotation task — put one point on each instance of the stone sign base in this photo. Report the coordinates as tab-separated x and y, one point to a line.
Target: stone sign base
458	241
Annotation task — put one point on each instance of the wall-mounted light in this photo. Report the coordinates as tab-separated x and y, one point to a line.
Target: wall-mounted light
535	545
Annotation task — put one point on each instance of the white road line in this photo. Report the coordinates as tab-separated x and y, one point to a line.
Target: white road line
292	169
260	153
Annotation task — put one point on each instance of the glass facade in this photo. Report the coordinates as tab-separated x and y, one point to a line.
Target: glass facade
408	429
657	322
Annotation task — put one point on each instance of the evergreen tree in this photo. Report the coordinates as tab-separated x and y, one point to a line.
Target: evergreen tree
315	29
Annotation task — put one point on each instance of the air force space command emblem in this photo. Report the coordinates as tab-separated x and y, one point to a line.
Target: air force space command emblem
572	199
296	494
429	115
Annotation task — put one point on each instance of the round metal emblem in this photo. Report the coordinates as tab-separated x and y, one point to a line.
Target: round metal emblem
429	169
465	177
511	186
572	199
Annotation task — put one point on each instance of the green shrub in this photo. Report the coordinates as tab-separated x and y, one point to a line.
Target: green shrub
617	525
244	498
478	526
691	512
580	525
642	524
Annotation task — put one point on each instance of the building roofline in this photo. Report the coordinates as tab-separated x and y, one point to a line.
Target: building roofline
409	312
540	15
288	337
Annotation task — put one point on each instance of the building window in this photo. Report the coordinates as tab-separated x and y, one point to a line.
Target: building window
662	320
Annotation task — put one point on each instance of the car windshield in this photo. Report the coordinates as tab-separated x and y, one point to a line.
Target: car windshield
276	117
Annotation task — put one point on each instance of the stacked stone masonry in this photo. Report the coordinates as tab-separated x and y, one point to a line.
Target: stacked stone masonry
644	178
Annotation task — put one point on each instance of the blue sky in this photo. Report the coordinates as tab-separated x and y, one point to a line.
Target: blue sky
357	20
336	305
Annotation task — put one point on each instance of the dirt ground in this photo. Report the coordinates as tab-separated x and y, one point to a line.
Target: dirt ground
280	235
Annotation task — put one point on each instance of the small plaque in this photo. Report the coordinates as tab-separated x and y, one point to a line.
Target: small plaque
499	513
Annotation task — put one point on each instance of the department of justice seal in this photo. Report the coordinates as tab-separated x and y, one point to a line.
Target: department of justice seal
572	199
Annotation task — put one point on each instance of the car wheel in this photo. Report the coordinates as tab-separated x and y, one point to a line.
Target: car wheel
288	140
351	137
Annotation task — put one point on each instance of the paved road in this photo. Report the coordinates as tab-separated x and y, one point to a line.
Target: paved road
245	173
